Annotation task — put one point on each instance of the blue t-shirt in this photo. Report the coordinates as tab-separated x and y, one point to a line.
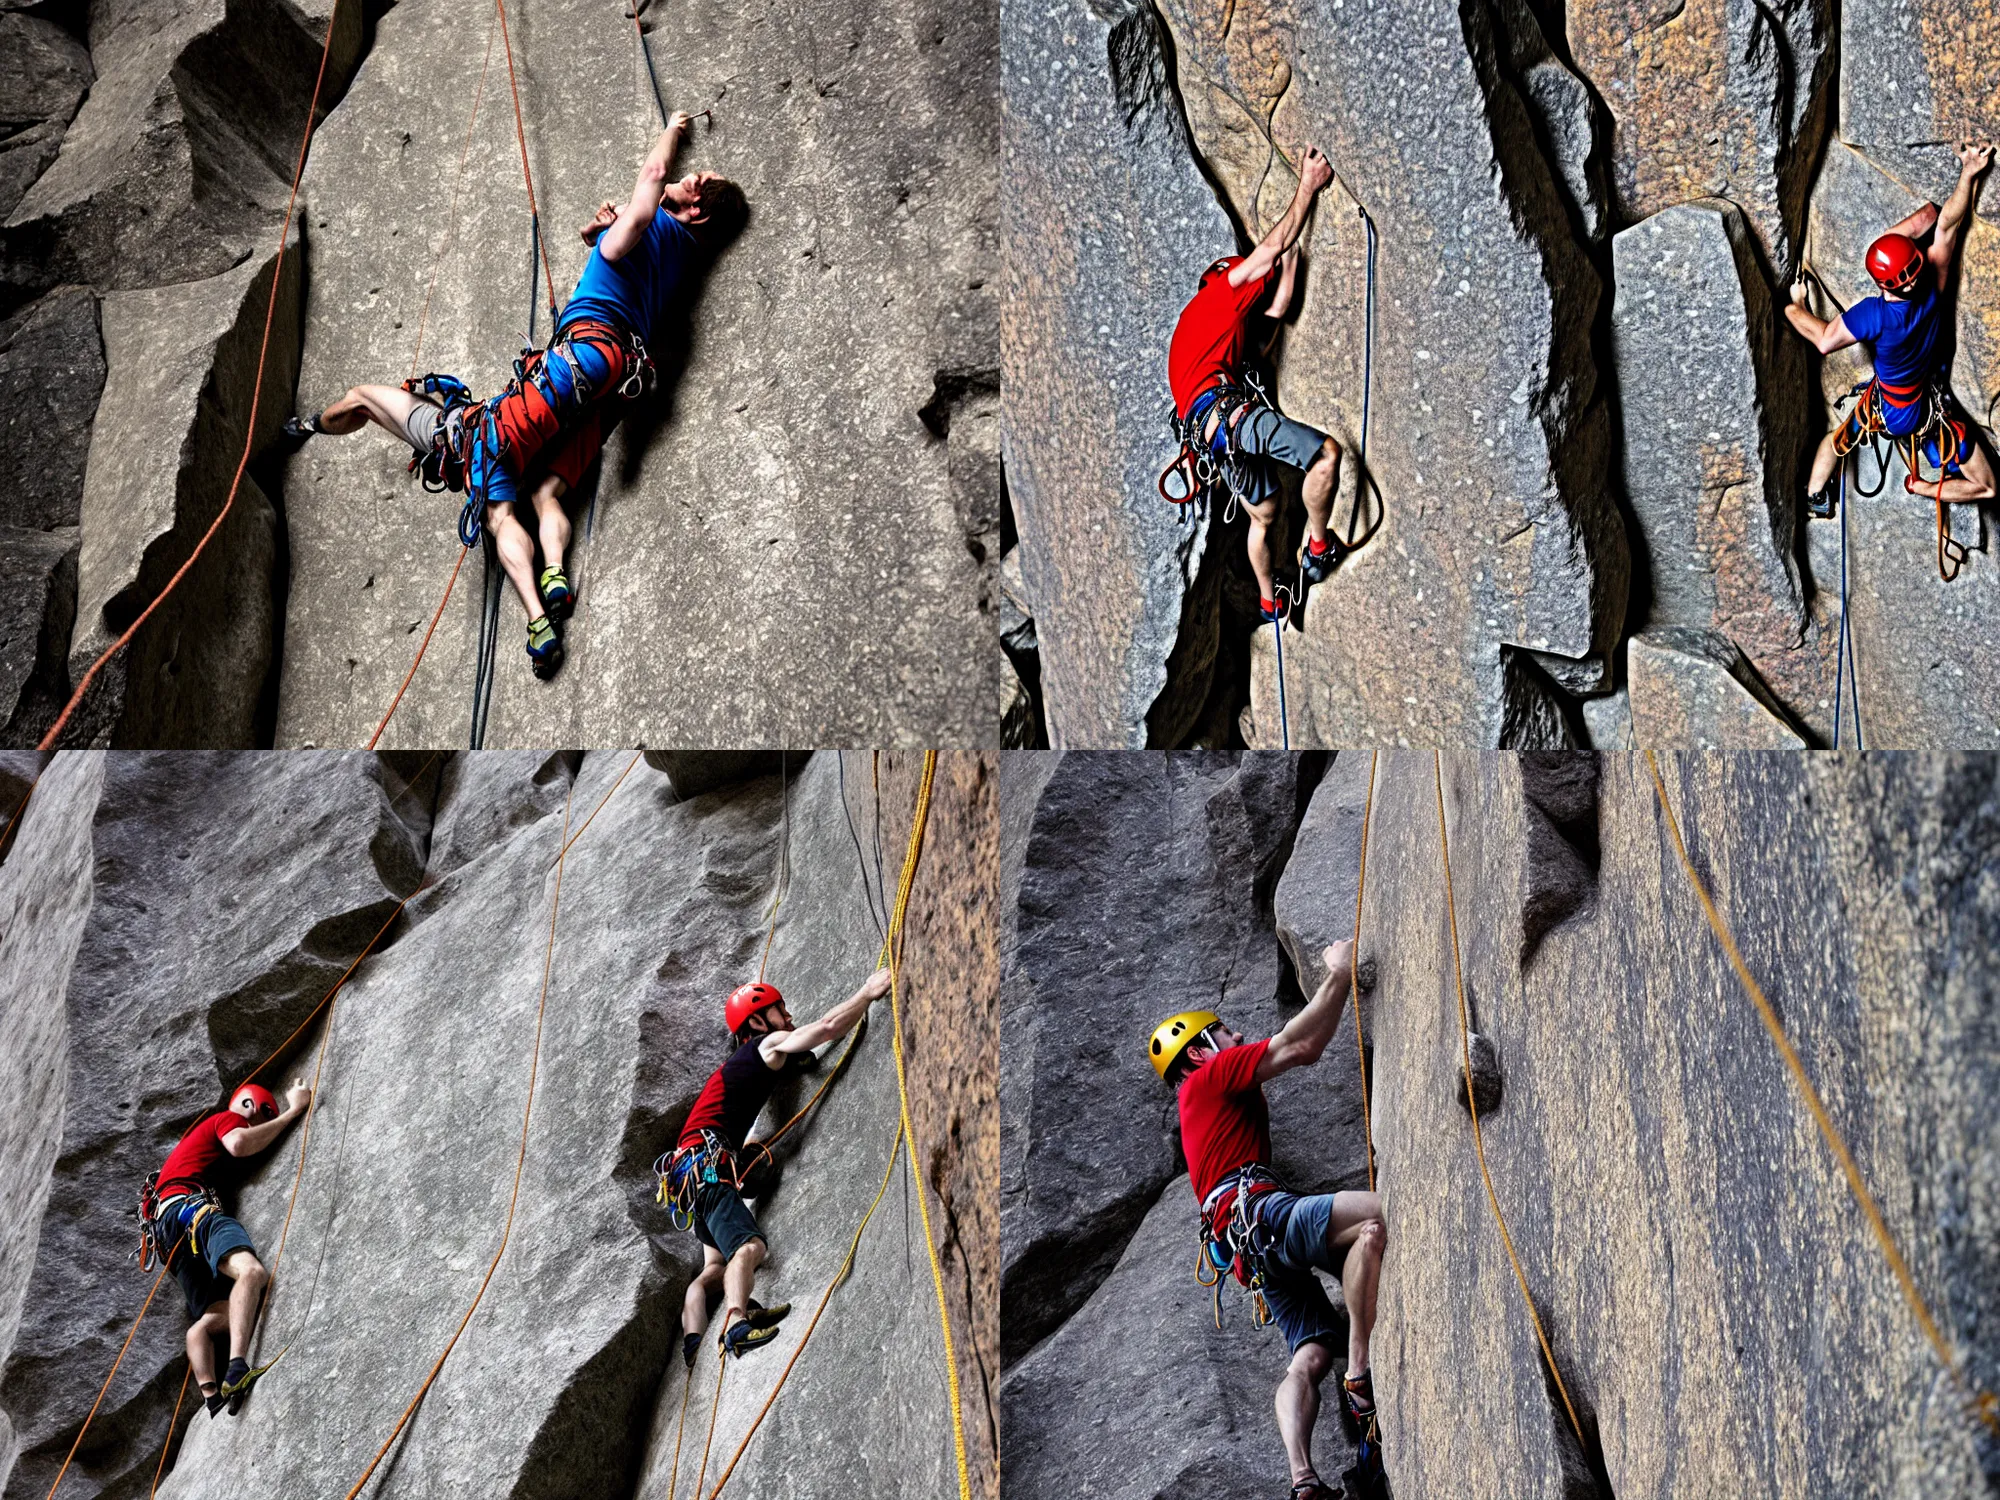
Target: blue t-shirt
1910	338
634	289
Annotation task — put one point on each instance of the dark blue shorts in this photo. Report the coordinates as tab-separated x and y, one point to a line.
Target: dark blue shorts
198	1267
1297	1301
723	1221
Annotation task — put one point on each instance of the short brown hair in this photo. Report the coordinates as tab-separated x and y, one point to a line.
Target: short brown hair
724	211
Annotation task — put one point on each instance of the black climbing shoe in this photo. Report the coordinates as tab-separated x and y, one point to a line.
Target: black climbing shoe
767	1317
215	1402
1820	503
236	1383
557	597
1314	1488
545	648
300	428
1318	567
744	1336
690	1346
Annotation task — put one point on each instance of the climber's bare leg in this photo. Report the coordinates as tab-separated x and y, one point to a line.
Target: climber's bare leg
387	406
1318	490
1262	519
517	555
551	520
1356	1222
1824	462
201	1336
1975	482
251	1278
738	1280
706	1284
1298	1405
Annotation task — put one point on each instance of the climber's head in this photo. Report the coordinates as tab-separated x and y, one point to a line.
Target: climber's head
753	1010
253	1101
1182	1043
1897	264
711	206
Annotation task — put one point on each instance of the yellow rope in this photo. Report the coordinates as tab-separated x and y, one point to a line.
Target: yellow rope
1983	1403
680	1429
1354	970
1478	1144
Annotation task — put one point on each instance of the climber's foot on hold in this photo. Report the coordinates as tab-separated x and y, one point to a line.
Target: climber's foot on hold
545	648
557	597
1312	1487
1357	1405
298	429
1271	609
236	1383
743	1336
212	1397
1820	503
1317	566
690	1346
767	1317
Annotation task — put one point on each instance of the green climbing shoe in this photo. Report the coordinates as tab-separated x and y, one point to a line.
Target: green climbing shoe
557	597
545	648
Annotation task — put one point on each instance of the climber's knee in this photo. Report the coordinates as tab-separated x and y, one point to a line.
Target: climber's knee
1371	1238
1327	459
749	1255
1312	1361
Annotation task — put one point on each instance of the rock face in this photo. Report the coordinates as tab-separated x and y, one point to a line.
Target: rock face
1664	1186
1693	687
785	546
1108	223
410	1159
1134	886
181	373
44	74
1912	86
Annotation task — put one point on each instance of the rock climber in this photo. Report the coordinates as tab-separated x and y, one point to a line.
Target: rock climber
207	1249
1909	328
704	1180
1222	415
547	427
1275	1239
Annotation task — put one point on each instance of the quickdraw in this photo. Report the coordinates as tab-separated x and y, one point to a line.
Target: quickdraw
686	1170
1942	432
1204	464
1241	1243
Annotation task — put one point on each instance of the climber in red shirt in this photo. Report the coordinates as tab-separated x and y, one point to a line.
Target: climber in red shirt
1218	410
704	1179
1280	1238
206	1248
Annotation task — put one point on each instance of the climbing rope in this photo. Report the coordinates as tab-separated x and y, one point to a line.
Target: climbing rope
520	1163
130	1335
1354	968
1284	720
891	957
714	1408
1472	1104
1364	478
485	655
1983	1404
250	424
172	1422
680	1428
1844	667
636	755
421	649
646	51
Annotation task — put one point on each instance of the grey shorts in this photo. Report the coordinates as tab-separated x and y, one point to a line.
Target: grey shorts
421	425
1297	1301
1265	438
723	1221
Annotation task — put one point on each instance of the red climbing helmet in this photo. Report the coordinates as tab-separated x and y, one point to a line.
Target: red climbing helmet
746	1001
258	1095
1895	261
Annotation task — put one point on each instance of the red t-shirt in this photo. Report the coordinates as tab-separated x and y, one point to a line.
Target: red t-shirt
1213	333
201	1149
1225	1123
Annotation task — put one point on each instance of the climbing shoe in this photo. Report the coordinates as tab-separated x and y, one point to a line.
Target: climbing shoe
545	648
740	1338
767	1317
236	1383
1820	503
690	1346
215	1400
557	598
1312	1487
1357	1405
1271	609
1317	567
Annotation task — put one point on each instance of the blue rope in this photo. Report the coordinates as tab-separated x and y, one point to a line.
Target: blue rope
1367	343
646	49
485	658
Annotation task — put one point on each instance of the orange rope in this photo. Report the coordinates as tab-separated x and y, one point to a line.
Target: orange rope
636	754
520	1163
521	135
421	649
19	808
451	227
680	1431
1354	970
1472	1104
256	400
107	1382
714	1406
1983	1403
161	1467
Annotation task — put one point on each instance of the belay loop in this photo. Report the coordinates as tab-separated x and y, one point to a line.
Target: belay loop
1240	1243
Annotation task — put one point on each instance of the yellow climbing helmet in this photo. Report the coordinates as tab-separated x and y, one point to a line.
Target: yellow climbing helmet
1171	1036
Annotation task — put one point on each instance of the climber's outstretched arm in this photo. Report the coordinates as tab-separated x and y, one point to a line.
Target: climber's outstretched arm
830	1027
637	215
1288	276
1824	335
1972	164
1315	172
1305	1036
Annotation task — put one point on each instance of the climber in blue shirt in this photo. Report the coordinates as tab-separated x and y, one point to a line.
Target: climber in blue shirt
549	424
1909	330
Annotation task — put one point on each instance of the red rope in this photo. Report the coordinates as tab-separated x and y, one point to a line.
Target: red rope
420	649
256	399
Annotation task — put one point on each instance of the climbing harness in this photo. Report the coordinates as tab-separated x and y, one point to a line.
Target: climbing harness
1981	1403
1940	434
686	1170
1478	1141
1238	1242
1844	668
1203	465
